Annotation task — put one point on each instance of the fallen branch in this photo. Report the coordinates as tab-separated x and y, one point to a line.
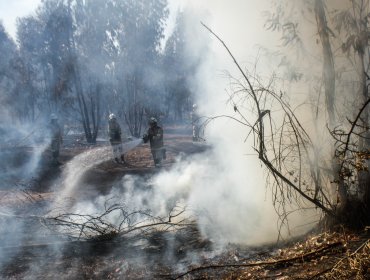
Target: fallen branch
91	227
99	227
337	271
263	263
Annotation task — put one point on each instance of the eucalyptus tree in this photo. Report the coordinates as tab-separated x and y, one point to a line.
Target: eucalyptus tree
140	31
34	74
352	27
341	26
118	45
178	66
9	90
56	39
64	48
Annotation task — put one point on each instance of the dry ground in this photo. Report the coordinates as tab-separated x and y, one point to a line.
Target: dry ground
339	254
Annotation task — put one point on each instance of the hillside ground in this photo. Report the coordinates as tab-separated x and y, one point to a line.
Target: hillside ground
334	254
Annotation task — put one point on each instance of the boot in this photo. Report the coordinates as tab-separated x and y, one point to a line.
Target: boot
116	160
157	162
123	158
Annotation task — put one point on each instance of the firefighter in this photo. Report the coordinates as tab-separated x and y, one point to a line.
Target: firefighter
56	138
195	123
115	138
155	137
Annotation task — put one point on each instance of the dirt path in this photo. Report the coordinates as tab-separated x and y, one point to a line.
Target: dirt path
26	252
177	141
24	255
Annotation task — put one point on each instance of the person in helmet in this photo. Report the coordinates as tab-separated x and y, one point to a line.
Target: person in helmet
195	123
155	137
56	138
115	139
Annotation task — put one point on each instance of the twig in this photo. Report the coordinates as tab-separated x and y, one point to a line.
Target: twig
349	256
301	258
353	127
301	141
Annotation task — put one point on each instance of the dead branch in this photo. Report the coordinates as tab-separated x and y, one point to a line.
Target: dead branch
102	226
87	226
301	258
354	123
356	263
296	140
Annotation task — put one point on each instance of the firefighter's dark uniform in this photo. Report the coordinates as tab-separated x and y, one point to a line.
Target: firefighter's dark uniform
56	139
155	137
195	123
114	131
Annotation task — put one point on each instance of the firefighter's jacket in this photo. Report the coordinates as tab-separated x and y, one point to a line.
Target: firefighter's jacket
155	137
114	131
56	135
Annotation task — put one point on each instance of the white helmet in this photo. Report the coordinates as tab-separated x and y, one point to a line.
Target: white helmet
195	106
152	120
112	116
53	117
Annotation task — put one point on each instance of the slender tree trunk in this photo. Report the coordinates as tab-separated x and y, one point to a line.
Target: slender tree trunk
328	65
364	141
134	111
82	104
96	112
329	88
364	145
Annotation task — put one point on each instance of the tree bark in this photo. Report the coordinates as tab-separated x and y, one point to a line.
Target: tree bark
329	85
328	65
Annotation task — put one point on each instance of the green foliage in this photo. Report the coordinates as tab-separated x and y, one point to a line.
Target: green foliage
352	25
69	49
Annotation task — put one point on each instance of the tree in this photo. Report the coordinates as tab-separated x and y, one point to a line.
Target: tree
57	43
34	72
179	67
8	82
328	63
285	148
349	155
75	54
352	24
60	60
140	34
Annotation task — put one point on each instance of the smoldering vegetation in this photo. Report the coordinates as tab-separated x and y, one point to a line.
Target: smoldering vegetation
141	222
286	141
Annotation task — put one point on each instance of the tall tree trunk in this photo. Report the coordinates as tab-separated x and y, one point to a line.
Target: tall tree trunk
95	112
135	110
364	141
329	88
82	104
328	66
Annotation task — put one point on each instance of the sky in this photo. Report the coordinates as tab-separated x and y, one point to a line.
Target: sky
11	10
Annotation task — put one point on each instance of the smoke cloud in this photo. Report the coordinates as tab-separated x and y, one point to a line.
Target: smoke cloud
228	185
224	188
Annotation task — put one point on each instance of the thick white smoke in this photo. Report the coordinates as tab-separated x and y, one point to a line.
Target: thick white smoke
224	188
228	188
228	185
